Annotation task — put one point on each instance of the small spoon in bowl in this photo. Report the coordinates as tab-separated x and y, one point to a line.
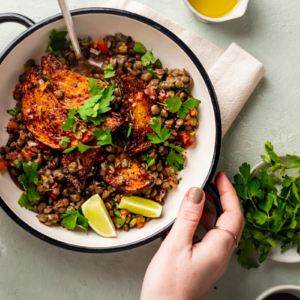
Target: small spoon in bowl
84	67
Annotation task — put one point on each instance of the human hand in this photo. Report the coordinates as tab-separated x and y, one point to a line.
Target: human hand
181	270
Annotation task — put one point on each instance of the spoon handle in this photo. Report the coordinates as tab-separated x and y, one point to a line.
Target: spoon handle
70	26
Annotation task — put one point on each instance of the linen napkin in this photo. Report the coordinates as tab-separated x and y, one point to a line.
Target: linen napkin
234	73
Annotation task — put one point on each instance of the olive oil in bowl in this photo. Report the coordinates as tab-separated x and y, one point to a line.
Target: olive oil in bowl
214	8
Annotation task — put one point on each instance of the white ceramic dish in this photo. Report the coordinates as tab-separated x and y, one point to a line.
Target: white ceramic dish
290	255
239	10
291	289
97	22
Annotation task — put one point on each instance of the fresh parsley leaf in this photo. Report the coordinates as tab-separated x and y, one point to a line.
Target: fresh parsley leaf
24	202
109	71
175	104
150	160
57	41
148	58
104	138
162	134
73	218
14	112
139	47
13	140
32	194
80	147
94	90
175	161
177	148
70	121
65	140
150	70
31	172
121	221
17	163
117	212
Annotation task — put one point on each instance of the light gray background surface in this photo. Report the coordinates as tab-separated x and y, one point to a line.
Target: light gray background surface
270	30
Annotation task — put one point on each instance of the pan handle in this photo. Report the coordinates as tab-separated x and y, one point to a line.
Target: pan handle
214	193
16	18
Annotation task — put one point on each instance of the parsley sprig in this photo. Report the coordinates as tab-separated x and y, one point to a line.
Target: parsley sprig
161	134
57	41
109	71
270	216
139	47
103	137
150	160
73	218
29	180
183	108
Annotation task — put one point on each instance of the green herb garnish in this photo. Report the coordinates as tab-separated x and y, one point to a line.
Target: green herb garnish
73	218
162	134
65	140
109	71
57	41
139	47
175	161
14	112
175	104
29	180
150	160
148	58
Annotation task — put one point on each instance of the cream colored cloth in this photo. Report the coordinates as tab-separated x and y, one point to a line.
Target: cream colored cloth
234	73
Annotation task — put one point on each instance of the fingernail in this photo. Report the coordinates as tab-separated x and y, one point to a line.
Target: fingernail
195	195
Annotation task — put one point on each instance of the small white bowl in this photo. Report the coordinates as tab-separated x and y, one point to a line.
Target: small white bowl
289	256
236	13
291	289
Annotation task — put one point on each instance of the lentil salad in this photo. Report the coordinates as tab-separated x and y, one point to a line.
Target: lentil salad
171	108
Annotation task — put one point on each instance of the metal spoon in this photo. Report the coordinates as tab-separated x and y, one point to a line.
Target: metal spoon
84	67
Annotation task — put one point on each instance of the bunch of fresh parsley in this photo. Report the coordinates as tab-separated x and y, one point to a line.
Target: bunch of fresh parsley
29	180
270	215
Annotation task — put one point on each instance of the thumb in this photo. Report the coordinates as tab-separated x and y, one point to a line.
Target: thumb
188	218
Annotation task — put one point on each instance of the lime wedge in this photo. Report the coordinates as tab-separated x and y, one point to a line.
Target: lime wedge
95	211
141	206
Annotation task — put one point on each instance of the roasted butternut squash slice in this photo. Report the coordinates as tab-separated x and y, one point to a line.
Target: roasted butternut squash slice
137	112
43	115
86	160
131	179
75	86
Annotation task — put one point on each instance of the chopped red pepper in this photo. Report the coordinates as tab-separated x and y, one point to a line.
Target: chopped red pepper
140	225
151	92
98	58
13	125
108	58
163	95
3	164
14	157
130	46
53	196
100	158
101	46
26	153
54	185
185	137
140	96
193	112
